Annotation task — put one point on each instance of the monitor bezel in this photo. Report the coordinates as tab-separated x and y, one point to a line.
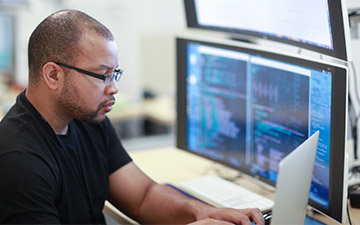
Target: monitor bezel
339	27
337	203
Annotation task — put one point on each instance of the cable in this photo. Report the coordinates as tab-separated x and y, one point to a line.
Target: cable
353	120
348	213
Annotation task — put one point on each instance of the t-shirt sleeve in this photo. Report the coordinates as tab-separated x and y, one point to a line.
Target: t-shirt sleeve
118	156
27	192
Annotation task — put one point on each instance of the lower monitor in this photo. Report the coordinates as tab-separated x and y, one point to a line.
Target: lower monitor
247	108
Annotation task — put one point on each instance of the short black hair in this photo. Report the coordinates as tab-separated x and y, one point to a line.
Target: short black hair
56	39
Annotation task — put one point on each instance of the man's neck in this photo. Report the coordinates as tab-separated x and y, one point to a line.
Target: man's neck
49	111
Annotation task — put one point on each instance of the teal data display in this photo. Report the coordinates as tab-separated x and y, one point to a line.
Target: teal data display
257	110
247	107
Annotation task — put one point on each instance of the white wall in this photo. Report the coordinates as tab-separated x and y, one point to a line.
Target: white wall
353	4
27	19
354	77
144	31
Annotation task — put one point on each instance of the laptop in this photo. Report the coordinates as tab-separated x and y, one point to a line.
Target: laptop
293	183
292	186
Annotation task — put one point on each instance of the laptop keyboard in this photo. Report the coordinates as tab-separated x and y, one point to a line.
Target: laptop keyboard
224	193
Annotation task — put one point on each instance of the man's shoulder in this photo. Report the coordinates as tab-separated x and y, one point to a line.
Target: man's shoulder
17	118
21	131
16	129
25	151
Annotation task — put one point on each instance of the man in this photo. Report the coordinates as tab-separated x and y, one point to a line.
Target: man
60	158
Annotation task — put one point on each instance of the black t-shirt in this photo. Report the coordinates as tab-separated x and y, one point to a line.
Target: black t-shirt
52	179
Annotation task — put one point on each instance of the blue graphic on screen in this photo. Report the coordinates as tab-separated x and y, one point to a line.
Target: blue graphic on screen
279	112
250	112
320	120
217	89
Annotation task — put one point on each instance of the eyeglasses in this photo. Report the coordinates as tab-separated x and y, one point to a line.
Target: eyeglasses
107	78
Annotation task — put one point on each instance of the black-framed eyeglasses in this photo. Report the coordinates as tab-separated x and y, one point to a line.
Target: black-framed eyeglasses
107	78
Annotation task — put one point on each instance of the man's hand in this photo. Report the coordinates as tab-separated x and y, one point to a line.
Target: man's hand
233	216
209	221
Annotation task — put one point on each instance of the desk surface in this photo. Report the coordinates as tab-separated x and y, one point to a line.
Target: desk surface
160	110
170	165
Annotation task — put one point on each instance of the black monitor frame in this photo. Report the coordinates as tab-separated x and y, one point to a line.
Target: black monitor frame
338	20
338	165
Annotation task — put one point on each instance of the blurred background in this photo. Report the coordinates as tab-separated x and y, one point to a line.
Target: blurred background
145	33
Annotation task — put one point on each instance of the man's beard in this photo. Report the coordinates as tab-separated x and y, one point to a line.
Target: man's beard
92	117
72	103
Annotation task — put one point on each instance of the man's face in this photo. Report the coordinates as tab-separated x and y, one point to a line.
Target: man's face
87	98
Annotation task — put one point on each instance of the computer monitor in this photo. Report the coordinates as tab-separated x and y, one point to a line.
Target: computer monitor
247	108
321	26
7	44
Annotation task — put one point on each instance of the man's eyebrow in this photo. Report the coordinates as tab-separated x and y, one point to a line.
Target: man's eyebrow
103	67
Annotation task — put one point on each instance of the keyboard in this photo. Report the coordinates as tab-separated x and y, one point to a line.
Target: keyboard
223	193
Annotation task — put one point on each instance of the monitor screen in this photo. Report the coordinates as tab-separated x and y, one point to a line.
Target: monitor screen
248	108
321	26
6	44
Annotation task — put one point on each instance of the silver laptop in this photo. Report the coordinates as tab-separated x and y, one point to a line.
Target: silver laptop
293	184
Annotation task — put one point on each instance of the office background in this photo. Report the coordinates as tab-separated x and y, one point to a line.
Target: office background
145	33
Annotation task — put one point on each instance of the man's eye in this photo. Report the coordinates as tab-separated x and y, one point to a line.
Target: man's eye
106	73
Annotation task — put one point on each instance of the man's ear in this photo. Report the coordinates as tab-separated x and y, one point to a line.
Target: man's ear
52	75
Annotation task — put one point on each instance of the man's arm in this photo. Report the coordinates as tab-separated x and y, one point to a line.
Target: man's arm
139	197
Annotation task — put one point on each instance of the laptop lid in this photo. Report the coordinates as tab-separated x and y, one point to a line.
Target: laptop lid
293	183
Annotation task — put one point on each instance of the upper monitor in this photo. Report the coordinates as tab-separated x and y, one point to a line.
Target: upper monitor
247	108
320	26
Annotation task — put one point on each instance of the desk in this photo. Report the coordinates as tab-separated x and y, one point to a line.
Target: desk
160	110
148	117
170	165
